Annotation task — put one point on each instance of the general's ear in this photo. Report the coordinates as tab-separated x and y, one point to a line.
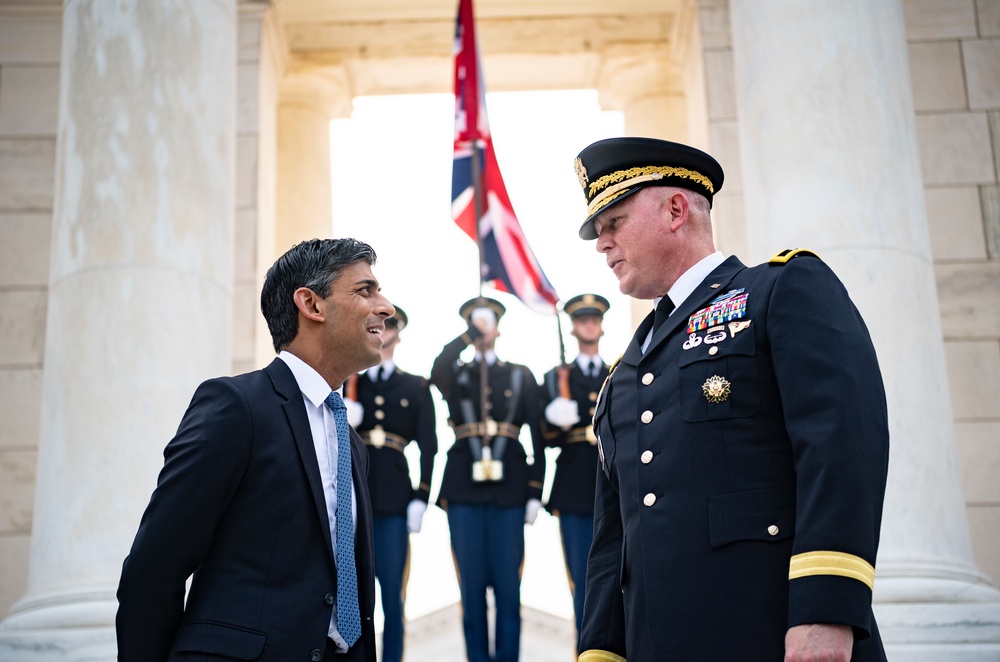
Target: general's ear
677	205
309	304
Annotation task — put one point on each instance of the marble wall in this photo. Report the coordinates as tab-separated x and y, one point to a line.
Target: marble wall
29	106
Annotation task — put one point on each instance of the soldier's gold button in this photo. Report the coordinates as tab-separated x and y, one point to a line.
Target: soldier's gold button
646	457
713	351
508	393
379	400
647	379
773	530
649	499
646	416
592	410
379	414
593	396
404	403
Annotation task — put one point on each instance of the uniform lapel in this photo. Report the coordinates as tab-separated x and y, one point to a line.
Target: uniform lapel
286	386
714	285
633	354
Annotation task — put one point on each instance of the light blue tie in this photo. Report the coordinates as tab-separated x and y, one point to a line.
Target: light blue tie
348	613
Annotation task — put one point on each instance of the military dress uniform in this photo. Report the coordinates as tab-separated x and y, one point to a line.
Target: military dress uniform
486	517
574	481
742	466
398	409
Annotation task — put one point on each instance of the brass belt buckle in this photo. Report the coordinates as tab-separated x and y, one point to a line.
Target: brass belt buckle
487	469
377	437
491	428
591	437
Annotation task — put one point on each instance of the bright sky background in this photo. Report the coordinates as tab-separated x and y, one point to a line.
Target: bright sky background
391	169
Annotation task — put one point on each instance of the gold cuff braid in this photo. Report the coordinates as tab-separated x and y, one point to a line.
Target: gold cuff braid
600	656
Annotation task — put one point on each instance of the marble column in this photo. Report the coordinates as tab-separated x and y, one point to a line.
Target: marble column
308	101
830	162
139	300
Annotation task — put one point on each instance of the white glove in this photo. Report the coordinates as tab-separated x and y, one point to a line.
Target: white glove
531	510
355	412
563	413
415	515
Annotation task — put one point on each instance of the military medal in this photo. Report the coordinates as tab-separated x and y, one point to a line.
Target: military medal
716	389
725	308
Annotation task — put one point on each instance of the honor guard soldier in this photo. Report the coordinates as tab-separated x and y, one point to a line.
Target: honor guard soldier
489	489
390	408
742	437
570	395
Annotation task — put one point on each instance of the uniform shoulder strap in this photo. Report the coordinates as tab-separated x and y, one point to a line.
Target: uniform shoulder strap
789	253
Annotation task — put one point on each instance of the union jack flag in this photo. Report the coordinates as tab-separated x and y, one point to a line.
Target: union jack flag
508	263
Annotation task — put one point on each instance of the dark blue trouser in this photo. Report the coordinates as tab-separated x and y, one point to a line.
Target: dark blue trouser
488	542
392	547
577	536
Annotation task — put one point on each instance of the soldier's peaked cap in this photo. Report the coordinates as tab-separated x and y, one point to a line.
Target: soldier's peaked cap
583	305
481	302
613	169
399	320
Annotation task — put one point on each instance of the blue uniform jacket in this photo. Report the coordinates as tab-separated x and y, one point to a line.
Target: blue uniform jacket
742	469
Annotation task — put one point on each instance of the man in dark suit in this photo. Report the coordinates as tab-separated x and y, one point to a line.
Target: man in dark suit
262	500
391	409
570	394
742	437
488	489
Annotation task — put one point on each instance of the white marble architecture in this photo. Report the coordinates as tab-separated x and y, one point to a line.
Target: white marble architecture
139	298
866	131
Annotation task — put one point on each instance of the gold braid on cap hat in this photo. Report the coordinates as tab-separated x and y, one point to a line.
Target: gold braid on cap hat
633	176
666	171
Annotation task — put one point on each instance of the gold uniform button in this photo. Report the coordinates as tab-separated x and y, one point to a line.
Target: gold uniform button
646	417
713	351
404	402
647	379
773	530
379	400
593	396
649	499
379	414
646	457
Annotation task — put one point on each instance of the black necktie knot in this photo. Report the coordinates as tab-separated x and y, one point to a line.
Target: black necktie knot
663	310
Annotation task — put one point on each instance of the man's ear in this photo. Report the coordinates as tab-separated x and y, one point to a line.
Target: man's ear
677	206
309	304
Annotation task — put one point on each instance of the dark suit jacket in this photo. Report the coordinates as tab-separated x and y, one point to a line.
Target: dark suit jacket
742	473
239	504
574	482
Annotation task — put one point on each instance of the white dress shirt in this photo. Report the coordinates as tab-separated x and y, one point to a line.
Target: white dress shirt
315	390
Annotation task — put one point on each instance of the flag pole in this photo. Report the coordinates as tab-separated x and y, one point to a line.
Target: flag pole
477	191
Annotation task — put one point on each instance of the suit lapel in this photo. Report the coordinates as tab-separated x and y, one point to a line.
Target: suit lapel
286	386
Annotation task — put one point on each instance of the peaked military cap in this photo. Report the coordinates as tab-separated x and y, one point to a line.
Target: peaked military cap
586	304
611	170
399	320
481	302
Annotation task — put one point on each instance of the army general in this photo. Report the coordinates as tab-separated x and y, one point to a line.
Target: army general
742	436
